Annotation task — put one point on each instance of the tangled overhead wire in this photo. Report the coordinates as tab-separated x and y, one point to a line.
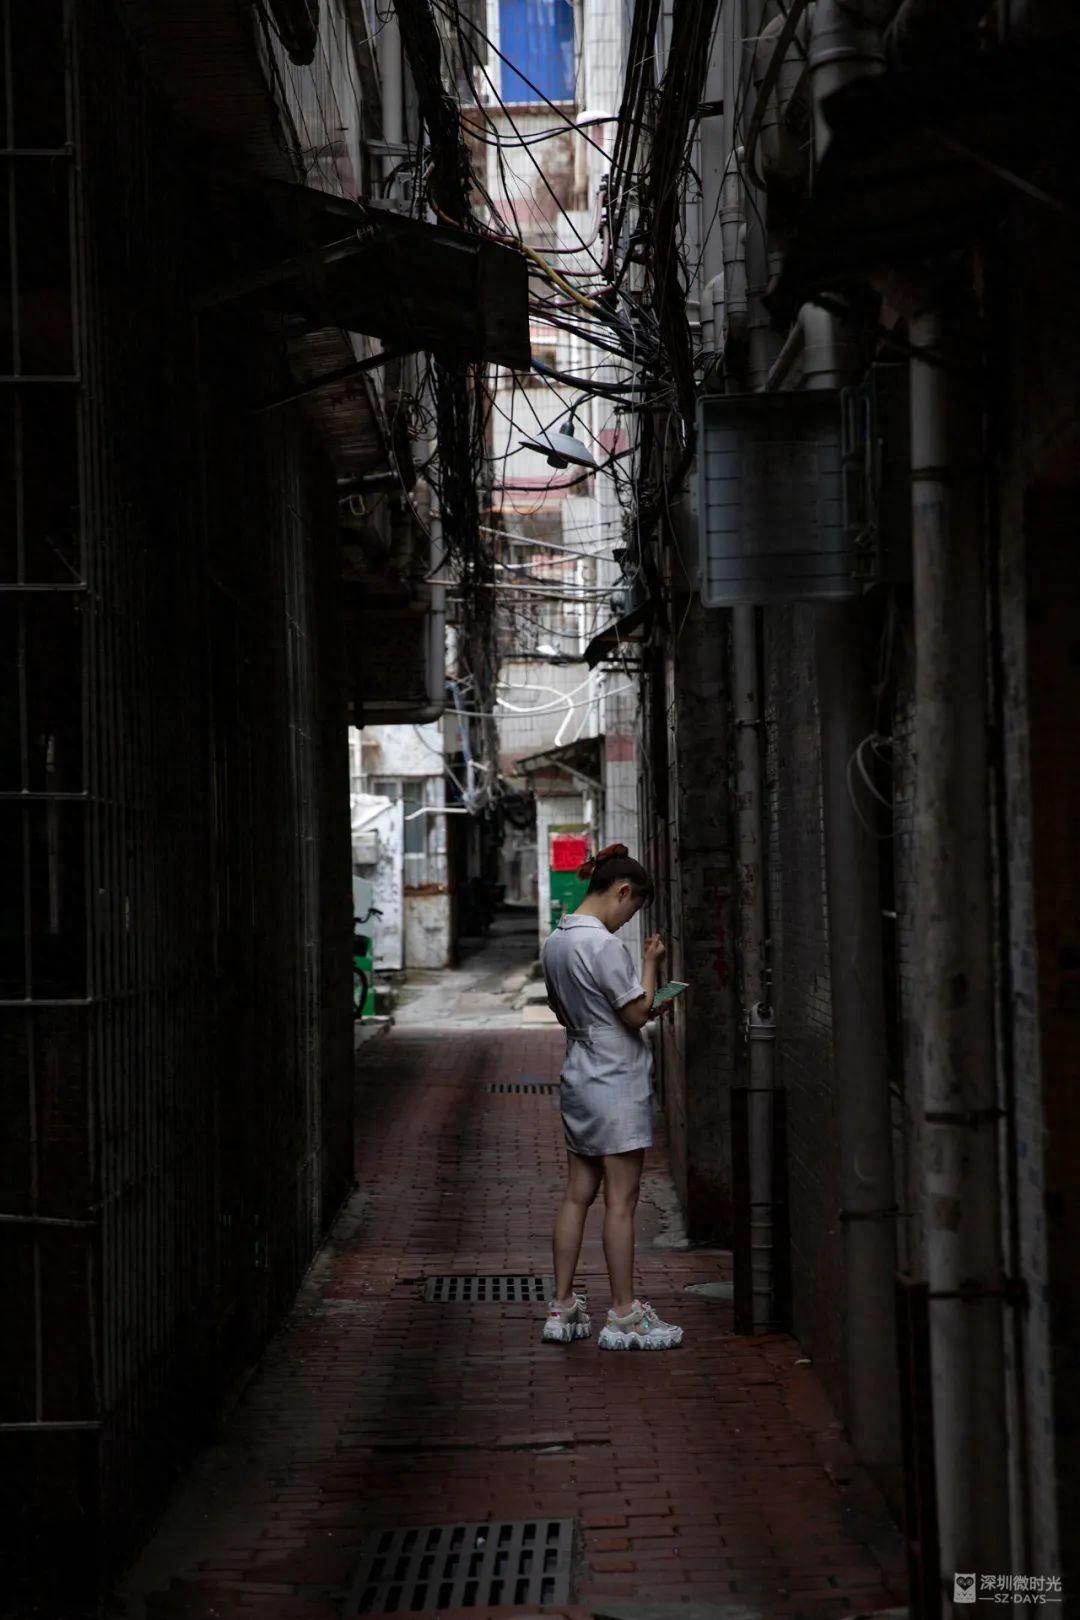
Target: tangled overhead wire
583	283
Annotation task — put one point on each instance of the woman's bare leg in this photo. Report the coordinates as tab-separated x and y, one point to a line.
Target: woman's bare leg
622	1182
582	1185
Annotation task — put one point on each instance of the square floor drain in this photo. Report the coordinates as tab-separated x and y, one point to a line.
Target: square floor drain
500	1290
463	1566
524	1088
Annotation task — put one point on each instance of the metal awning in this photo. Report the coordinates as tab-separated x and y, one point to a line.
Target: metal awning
580	760
608	643
329	261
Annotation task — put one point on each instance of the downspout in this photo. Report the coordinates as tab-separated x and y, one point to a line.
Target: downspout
730	284
466	746
961	1181
435	650
846	43
436	645
789	356
392	85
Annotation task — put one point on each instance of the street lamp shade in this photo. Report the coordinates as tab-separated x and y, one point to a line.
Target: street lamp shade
560	447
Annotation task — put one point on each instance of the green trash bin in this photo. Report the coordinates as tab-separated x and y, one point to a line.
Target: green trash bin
363	973
365	911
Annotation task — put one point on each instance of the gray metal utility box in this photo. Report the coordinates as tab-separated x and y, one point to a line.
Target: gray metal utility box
771	499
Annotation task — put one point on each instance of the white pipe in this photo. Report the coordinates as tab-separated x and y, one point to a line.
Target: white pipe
391	75
733	239
435	649
846	43
789	355
961	1188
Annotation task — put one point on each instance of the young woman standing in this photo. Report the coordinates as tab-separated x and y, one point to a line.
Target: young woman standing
606	1096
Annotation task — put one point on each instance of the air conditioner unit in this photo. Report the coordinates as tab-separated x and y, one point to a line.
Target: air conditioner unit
771	499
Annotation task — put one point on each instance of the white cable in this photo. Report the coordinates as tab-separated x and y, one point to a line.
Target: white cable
547	708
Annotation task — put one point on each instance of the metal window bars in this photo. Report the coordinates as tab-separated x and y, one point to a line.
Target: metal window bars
175	1029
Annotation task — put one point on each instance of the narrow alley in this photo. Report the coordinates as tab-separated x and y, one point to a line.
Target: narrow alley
717	1474
522	517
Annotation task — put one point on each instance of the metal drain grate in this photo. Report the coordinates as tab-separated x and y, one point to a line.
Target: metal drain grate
529	1088
503	1290
463	1566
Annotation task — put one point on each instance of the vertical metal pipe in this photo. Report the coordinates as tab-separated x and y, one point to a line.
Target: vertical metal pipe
752	932
391	74
956	1021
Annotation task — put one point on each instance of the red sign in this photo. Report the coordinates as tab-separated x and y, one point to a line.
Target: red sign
568	852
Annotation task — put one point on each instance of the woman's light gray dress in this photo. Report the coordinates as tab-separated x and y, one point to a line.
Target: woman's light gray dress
606	1091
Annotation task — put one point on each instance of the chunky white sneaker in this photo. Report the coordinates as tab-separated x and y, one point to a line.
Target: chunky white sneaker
641	1330
566	1322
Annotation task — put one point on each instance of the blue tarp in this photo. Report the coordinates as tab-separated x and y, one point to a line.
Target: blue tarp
537	36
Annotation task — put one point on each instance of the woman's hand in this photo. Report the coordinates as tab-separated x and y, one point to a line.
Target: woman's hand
655	950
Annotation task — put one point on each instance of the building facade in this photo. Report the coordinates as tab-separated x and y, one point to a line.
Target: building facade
857	774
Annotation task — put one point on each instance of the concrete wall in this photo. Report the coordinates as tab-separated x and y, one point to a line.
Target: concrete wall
415	753
801	990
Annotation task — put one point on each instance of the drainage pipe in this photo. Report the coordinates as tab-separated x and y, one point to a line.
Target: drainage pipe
846	43
789	356
961	1186
392	86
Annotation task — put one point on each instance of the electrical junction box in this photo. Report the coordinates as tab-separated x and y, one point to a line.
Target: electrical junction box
771	509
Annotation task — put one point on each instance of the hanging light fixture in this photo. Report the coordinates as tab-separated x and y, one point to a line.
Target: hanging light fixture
561	447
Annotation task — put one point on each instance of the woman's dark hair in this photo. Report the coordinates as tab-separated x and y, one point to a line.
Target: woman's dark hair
616	865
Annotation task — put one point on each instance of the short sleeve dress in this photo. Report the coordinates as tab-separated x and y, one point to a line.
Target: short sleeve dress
606	1090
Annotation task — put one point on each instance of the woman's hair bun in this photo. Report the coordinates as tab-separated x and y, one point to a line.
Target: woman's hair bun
611	852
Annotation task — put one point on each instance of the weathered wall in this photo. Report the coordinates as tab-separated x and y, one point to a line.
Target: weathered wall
1039	548
800	968
701	1039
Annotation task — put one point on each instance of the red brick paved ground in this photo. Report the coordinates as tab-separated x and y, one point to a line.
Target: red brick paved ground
715	1472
